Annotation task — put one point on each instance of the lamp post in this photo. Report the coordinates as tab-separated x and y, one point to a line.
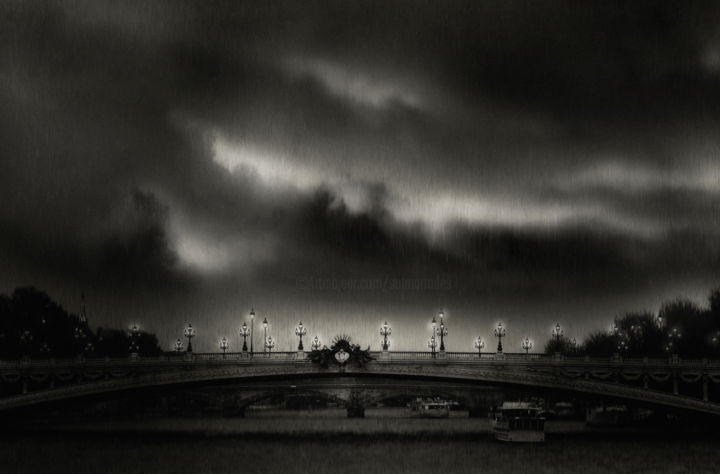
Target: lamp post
178	346
134	345
442	331
557	333
499	332
315	344
26	339
45	349
300	331
79	335
269	344
674	335
432	335
244	333
385	331
189	333
89	348
527	345
134	348
265	324
224	345
432	344
479	345
252	320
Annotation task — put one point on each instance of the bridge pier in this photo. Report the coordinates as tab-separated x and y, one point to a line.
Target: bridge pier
675	384
705	387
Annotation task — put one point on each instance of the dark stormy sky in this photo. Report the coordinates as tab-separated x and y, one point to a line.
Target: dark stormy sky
344	163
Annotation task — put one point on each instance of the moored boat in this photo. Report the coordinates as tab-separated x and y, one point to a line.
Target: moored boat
430	408
521	422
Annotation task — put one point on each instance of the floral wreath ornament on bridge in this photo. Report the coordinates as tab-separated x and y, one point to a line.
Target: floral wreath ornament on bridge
341	352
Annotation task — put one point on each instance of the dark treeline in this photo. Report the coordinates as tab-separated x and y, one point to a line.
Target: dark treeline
33	325
679	327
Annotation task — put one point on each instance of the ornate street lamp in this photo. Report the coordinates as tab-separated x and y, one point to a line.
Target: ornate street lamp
315	344
224	345
252	320
432	344
557	333
527	345
134	348
26	339
432	332
265	325
134	345
622	345
385	331
574	345
269	344
189	333
442	331
499	332
479	345
674	335
45	349
300	331
89	348
244	333
79	335
178	346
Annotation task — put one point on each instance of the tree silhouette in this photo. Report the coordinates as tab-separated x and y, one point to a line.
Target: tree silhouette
33	325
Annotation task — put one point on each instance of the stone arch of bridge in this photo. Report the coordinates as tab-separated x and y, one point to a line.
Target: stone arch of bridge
534	378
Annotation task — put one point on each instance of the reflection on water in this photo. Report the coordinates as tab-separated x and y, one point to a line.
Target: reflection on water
320	441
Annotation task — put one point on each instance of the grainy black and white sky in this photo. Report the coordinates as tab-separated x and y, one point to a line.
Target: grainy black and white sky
345	162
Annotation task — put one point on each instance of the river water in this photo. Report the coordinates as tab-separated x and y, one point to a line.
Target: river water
324	441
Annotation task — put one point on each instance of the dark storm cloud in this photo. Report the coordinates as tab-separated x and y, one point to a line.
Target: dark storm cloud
225	148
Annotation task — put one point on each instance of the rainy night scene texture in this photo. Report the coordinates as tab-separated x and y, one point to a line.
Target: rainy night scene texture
359	236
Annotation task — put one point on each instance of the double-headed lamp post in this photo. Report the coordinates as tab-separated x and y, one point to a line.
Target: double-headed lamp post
224	345
178	346
499	332
432	344
442	331
244	333
189	333
300	331
269	344
527	345
479	345
315	343
385	331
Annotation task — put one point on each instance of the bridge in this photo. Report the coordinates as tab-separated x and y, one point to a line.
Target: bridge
672	382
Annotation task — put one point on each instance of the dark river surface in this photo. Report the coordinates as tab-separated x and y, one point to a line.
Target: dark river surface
325	441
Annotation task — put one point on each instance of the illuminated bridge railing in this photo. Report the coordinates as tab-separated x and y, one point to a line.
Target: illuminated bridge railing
380	356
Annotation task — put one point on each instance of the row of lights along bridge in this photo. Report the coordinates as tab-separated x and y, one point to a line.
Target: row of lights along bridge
439	330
